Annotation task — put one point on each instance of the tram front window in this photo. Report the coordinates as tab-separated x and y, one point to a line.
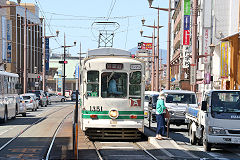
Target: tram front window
92	84
114	85
135	83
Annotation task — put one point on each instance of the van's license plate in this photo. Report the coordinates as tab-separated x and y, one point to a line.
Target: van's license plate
236	140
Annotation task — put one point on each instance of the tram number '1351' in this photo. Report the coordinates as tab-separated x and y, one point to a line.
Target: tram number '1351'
96	108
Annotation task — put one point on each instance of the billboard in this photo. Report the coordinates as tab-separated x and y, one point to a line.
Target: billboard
225	59
186	22
143	45
9	41
4	39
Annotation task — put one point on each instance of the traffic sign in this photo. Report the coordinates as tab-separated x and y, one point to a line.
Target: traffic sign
63	62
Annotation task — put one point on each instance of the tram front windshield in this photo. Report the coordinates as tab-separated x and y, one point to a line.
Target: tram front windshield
114	85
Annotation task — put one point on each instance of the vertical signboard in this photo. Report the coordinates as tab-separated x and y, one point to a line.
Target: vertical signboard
59	79
186	22
224	59
206	44
47	54
192	74
9	41
4	42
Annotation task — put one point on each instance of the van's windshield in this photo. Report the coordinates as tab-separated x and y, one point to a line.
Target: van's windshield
226	102
181	98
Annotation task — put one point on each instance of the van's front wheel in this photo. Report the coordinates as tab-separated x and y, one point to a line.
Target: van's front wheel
206	145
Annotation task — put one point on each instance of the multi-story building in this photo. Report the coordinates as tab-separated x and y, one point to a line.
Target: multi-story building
180	49
15	42
218	25
55	79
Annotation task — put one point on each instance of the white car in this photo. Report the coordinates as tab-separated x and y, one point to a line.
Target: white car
30	101
56	98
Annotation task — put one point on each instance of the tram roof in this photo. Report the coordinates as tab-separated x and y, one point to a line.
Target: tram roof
108	52
8	74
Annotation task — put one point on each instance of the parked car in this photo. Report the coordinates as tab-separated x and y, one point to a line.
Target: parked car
152	106
147	95
48	98
30	101
40	96
22	108
73	96
56	98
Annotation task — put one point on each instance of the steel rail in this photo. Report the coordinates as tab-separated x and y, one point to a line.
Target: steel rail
54	136
24	130
143	149
97	151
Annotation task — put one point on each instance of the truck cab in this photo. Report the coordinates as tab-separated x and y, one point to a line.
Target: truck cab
217	120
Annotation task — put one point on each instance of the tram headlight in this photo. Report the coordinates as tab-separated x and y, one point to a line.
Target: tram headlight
113	113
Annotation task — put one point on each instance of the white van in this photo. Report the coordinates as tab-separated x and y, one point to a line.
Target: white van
147	99
177	102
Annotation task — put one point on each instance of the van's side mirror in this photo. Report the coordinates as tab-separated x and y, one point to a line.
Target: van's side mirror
204	106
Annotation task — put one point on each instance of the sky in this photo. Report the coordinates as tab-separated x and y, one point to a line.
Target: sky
77	19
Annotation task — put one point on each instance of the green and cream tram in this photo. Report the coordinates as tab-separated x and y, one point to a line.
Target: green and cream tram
112	94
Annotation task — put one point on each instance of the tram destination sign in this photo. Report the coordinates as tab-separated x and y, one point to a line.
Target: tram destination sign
115	66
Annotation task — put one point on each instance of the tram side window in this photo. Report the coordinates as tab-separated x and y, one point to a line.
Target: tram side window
5	85
114	85
1	85
135	83
92	83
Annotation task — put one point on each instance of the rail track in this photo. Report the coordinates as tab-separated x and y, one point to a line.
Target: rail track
137	147
30	126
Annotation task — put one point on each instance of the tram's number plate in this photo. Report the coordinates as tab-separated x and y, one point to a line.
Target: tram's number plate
96	108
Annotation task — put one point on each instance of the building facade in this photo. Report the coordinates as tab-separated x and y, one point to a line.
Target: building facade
15	42
55	79
218	26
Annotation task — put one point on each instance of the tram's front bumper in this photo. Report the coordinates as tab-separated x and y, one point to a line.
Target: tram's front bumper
113	123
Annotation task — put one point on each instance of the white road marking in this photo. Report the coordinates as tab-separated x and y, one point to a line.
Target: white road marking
109	147
5	131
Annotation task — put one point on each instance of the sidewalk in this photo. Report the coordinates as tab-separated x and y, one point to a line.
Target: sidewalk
169	148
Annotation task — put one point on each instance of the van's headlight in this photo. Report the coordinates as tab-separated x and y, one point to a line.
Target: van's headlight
113	113
216	130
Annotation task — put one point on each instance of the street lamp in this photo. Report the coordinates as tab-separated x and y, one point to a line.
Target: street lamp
169	9
64	59
158	85
153	58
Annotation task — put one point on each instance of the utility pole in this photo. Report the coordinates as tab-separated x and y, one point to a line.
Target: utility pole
168	46
64	62
25	55
64	67
194	38
153	60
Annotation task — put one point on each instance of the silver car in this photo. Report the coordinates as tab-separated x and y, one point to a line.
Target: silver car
56	98
30	101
